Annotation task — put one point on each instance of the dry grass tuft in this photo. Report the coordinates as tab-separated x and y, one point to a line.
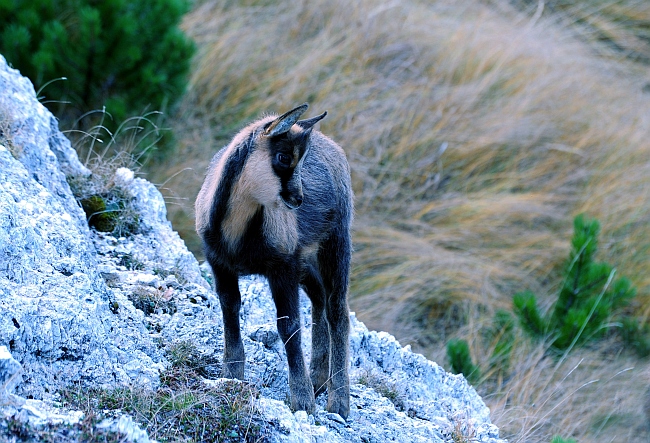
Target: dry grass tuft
185	407
101	194
7	131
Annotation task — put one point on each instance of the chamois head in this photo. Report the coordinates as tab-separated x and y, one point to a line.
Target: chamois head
287	141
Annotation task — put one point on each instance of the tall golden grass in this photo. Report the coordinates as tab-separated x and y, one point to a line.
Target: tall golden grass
475	133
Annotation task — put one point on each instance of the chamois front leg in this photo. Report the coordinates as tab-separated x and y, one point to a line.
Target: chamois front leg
227	287
320	334
285	295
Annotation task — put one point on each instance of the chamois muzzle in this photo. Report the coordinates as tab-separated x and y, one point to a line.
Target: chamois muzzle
291	201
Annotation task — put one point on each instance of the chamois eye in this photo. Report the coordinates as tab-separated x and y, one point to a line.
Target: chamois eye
284	159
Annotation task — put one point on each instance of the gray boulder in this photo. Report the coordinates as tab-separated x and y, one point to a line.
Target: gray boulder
74	308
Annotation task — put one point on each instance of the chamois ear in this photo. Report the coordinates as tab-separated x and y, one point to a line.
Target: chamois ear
282	124
308	123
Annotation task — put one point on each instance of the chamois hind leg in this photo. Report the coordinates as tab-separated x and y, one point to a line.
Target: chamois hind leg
227	287
320	334
284	287
335	265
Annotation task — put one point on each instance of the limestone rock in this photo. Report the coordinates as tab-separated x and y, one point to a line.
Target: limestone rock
10	371
54	305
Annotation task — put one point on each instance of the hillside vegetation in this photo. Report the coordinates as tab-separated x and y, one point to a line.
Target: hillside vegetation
476	131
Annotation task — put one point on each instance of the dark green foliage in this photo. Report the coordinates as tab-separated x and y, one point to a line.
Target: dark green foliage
525	307
98	215
636	336
558	439
590	296
500	337
126	55
461	360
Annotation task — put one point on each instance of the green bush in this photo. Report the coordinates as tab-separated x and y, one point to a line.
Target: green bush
590	295
461	360
558	439
110	212
636	335
122	54
499	337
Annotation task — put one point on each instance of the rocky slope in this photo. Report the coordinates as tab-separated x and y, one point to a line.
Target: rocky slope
76	307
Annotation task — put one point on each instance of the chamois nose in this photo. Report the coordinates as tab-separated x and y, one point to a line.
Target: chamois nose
291	201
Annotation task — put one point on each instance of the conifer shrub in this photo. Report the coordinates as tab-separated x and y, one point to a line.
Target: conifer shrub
461	360
591	295
126	55
590	304
636	335
499	337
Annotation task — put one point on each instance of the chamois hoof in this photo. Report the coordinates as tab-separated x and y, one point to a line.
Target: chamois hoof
339	404
233	370
304	402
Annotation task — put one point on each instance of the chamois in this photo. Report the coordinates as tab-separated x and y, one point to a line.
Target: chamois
277	201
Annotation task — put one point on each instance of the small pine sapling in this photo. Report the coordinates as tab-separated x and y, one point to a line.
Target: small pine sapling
461	360
589	297
525	307
636	335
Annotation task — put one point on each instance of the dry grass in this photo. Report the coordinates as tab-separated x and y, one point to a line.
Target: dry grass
586	396
475	133
184	408
101	195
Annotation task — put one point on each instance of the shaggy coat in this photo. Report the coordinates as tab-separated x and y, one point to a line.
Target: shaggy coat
277	201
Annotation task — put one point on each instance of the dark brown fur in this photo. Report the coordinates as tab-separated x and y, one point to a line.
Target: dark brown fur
277	201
